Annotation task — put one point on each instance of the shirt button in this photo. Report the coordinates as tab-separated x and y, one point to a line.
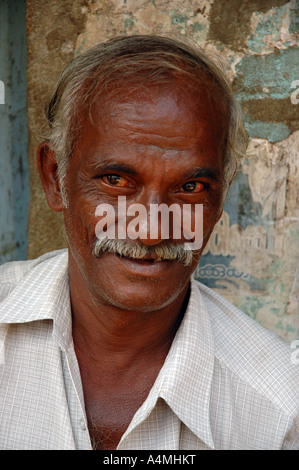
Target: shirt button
82	424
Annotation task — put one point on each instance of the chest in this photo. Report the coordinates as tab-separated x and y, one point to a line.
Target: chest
110	413
111	399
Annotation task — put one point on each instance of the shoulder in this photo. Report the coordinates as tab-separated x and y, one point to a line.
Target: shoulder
13	272
256	355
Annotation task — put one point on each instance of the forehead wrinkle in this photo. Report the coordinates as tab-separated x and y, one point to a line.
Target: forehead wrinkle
165	120
164	107
144	135
175	143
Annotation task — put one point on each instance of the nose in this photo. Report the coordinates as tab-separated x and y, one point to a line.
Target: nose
146	226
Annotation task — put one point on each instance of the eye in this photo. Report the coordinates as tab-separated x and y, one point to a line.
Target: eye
193	187
117	180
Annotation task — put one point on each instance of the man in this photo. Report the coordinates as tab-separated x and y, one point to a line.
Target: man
111	344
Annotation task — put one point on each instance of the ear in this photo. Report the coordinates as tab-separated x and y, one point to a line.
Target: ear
47	167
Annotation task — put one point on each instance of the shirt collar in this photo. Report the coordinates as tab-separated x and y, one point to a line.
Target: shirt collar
42	294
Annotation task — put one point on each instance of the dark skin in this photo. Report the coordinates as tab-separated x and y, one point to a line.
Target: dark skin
162	146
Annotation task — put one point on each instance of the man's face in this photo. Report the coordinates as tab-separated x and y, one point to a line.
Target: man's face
163	146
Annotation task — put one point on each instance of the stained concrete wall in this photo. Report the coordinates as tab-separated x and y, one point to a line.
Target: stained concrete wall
252	257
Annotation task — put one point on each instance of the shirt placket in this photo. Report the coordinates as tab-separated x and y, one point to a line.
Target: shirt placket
76	400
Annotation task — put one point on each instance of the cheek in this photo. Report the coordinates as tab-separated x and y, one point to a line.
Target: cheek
80	221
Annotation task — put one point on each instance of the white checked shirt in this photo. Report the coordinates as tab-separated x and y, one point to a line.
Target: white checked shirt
227	383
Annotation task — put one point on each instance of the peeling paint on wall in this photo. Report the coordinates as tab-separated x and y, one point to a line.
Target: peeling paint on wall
259	248
268	76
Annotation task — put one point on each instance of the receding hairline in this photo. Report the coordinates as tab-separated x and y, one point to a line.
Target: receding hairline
136	59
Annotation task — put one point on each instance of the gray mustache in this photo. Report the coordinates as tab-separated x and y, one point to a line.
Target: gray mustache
164	251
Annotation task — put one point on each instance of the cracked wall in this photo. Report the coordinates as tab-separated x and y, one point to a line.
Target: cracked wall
252	257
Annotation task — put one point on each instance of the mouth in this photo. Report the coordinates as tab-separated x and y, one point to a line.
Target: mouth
147	267
146	260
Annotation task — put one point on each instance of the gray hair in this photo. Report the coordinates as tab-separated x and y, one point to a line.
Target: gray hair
132	249
136	59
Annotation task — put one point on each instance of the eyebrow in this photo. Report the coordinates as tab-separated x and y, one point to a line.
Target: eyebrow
115	166
203	173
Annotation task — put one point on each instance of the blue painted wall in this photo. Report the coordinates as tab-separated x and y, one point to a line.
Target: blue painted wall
14	173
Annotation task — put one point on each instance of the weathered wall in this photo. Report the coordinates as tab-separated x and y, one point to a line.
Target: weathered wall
252	257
